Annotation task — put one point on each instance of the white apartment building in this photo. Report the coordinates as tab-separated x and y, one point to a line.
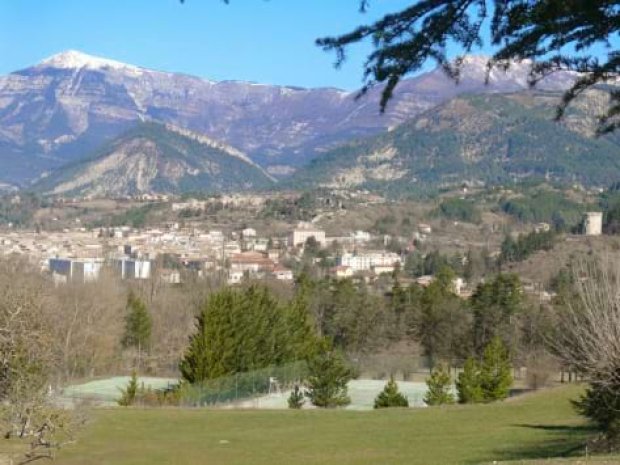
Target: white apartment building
369	260
130	268
73	269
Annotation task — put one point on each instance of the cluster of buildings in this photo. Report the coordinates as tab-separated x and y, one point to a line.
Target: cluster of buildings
82	255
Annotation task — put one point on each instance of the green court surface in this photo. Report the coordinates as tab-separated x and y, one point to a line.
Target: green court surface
105	392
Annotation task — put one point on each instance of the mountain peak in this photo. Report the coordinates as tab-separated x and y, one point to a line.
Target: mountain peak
73	59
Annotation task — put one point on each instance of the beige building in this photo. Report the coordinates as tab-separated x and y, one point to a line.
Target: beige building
303	232
593	224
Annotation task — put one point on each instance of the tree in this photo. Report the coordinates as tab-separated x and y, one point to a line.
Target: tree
328	378
442	325
545	31
468	384
128	395
439	387
349	314
138	325
390	396
602	407
243	330
296	399
586	341
495	306
495	371
28	363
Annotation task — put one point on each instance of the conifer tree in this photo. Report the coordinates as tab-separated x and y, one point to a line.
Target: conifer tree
390	396
468	384
439	387
129	394
243	330
328	378
138	325
296	399
495	372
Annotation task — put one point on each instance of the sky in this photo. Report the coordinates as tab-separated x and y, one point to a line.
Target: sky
266	41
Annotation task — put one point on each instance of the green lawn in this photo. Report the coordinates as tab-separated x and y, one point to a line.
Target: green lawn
535	426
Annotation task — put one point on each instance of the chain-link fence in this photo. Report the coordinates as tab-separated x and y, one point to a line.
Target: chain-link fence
242	386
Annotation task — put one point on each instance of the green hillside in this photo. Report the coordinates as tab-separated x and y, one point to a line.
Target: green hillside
480	139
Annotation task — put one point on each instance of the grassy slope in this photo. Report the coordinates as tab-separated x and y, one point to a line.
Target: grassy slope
536	426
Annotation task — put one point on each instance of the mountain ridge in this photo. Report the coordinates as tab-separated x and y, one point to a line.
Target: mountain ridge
156	158
62	109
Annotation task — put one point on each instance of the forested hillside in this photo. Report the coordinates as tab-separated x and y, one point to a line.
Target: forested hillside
477	139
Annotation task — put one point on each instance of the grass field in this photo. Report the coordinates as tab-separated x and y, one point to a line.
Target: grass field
533	427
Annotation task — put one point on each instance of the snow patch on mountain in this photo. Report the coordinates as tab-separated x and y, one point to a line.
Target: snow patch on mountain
72	59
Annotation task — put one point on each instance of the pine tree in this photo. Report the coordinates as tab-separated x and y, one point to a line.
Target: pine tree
495	372
439	387
243	330
128	395
138	324
468	384
390	396
296	399
328	378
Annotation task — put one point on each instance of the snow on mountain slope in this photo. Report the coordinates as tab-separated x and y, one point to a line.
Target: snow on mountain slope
68	105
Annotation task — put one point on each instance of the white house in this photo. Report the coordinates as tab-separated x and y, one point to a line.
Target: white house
282	273
235	276
341	271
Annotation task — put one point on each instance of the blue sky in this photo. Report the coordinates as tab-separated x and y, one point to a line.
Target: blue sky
264	41
267	41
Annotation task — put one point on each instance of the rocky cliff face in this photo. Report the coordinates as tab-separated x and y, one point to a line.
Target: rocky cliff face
60	110
153	158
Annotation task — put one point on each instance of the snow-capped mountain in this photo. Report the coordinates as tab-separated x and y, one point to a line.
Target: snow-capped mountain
72	59
63	108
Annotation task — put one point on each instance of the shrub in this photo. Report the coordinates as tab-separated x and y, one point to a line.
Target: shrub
296	399
390	396
128	395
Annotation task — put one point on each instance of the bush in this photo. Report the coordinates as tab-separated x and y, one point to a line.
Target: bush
539	368
390	396
129	394
439	387
296	399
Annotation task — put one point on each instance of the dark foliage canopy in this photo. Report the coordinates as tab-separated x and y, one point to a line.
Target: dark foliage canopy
555	34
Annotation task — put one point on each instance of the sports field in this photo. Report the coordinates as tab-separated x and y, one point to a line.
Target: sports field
532	427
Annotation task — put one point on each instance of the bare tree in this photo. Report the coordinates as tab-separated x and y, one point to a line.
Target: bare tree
28	360
588	336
